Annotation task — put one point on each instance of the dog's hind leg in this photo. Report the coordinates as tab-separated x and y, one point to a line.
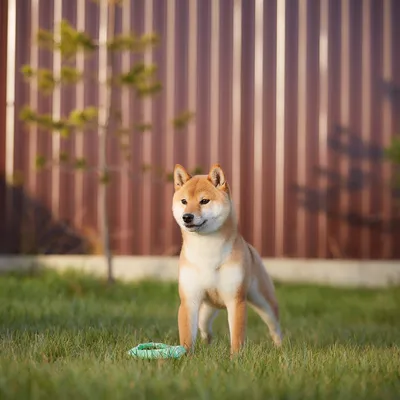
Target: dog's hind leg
207	315
262	300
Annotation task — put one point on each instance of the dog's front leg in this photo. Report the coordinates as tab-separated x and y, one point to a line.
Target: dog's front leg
237	315
190	294
187	322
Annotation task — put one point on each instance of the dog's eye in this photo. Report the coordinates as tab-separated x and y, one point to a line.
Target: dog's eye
183	201
204	201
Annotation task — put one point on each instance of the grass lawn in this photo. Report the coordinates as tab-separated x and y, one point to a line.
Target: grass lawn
66	337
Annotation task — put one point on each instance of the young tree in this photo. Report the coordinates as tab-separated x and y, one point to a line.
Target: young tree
104	117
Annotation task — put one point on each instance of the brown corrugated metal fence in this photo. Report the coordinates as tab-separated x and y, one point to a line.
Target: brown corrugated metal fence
296	99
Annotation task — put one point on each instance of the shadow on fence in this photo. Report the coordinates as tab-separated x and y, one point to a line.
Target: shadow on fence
356	180
343	144
29	227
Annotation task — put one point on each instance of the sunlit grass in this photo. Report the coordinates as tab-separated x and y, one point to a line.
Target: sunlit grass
67	337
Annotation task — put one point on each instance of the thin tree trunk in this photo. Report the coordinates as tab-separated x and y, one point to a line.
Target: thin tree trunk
106	31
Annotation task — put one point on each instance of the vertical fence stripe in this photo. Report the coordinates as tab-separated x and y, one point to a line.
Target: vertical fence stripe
323	124
80	104
56	112
10	96
236	103
387	121
125	223
192	79
170	107
33	95
103	68
147	138
366	115
280	126
102	116
344	111
214	82
258	124
302	121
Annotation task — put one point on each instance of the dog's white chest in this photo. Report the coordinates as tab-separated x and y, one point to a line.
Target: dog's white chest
209	270
208	278
224	282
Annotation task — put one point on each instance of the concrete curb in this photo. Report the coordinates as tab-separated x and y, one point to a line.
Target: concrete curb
134	268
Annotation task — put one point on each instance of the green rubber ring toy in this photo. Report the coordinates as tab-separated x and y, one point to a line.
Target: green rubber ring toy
154	351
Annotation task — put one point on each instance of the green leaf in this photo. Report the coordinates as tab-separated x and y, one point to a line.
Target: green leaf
27	71
150	39
123	132
147	89
44	120
58	125
63	157
40	162
196	170
116	2
183	119
122	42
105	178
144	127
73	40
78	118
146	167
132	42
45	39
70	75
140	76
132	76
27	115
65	132
80	163
392	153
46	80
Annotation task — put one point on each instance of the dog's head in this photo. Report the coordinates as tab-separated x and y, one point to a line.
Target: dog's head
201	203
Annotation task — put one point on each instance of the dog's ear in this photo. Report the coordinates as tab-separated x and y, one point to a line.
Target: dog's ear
181	176
217	177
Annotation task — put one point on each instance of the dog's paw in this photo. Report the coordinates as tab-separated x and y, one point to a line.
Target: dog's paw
206	337
277	338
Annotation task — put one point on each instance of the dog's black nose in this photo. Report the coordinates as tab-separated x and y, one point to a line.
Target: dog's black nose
188	218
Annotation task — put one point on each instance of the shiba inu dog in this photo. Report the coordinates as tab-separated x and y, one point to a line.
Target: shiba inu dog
217	268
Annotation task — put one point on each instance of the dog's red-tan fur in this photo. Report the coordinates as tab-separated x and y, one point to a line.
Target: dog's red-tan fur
217	268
